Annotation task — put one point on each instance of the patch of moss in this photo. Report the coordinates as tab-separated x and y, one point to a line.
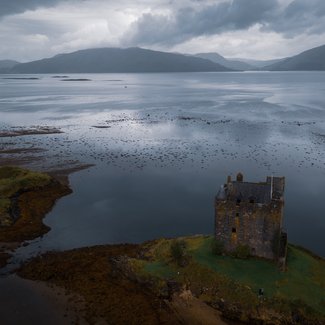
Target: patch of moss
31	195
14	179
159	269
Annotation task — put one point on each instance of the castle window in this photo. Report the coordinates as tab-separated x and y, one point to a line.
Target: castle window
233	230
251	201
237	214
238	201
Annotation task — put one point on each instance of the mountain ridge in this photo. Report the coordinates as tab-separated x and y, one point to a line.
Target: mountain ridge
7	64
309	60
228	63
139	60
105	60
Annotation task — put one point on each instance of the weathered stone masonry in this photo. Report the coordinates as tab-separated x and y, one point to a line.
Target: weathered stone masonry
251	214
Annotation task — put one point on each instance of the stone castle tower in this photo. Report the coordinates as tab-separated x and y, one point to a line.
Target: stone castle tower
251	214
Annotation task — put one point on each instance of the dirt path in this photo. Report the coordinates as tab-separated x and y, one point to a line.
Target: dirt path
192	311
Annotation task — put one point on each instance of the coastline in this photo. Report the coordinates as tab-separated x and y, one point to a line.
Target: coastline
25	197
125	282
23	300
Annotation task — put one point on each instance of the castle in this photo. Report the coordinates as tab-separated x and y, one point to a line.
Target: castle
250	214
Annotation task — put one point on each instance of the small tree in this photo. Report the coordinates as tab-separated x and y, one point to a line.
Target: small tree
178	251
217	247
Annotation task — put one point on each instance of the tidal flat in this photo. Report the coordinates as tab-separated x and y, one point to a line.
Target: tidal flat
161	145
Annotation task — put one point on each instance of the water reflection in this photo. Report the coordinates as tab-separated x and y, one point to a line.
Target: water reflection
170	141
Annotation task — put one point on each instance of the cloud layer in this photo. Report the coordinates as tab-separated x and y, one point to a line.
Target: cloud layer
299	16
9	7
264	29
189	22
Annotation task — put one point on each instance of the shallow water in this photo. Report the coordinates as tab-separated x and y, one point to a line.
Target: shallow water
163	144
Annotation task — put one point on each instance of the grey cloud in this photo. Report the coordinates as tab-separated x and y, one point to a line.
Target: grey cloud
300	16
187	23
10	7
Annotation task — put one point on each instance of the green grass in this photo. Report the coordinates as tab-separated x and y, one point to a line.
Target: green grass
14	179
304	279
253	272
160	270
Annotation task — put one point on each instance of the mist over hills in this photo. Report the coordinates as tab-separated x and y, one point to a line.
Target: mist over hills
230	64
310	60
258	63
7	64
116	60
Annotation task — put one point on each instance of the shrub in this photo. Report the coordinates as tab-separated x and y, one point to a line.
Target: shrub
241	251
217	247
178	251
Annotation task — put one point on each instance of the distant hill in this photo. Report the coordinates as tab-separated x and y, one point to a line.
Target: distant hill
7	64
258	63
118	60
313	59
228	63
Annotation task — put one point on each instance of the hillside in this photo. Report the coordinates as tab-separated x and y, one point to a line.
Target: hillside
230	64
7	64
313	59
118	60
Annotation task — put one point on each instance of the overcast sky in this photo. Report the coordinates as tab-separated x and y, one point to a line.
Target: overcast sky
259	29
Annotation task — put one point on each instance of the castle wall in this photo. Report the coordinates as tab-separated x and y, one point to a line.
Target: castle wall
258	226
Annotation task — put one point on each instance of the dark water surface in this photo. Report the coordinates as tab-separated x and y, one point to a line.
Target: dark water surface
164	143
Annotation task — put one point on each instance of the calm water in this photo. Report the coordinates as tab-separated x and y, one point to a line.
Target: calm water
165	144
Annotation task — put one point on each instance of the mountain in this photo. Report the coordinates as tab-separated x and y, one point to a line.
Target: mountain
258	63
7	64
228	63
313	59
118	60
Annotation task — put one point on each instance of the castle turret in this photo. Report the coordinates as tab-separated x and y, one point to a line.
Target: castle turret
240	177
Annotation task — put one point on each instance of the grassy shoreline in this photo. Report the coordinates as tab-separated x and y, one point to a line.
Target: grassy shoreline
25	198
103	274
